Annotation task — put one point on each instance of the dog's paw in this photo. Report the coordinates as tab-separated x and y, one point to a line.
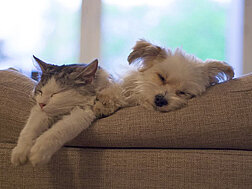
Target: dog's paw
20	154
40	154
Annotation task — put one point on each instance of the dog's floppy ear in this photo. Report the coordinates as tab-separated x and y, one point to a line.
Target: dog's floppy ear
146	53
218	71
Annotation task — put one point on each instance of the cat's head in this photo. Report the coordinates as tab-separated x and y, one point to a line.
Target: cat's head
62	87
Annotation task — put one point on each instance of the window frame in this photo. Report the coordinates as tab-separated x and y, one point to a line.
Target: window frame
239	44
90	38
247	38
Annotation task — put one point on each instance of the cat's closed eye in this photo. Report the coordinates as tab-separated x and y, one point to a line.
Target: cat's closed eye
40	92
58	92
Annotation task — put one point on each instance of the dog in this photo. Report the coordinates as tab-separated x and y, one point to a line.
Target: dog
163	81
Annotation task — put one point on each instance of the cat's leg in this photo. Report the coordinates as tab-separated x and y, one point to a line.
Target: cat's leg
61	132
109	100
37	122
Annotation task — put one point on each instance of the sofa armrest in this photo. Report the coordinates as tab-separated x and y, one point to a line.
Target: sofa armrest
220	118
15	103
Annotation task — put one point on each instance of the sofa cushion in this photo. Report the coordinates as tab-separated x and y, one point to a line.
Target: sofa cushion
220	118
131	168
15	103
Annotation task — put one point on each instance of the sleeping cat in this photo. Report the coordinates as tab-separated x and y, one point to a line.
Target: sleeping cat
65	96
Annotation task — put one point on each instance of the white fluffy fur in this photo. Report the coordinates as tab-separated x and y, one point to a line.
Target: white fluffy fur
176	76
184	76
65	98
37	141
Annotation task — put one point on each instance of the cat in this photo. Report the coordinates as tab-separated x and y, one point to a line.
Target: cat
65	96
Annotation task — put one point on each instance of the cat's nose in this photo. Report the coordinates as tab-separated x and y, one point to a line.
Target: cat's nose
160	100
42	105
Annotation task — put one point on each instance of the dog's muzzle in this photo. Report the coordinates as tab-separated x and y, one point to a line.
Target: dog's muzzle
160	100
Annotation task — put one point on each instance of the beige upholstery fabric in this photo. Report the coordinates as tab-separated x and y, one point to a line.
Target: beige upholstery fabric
221	118
129	168
15	103
133	147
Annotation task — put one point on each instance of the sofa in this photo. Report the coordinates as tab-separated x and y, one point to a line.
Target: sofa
206	144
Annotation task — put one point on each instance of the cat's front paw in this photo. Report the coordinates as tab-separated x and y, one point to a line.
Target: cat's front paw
105	105
102	110
40	154
20	154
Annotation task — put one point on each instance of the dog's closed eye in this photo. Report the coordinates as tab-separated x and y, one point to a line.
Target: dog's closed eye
161	77
180	93
184	94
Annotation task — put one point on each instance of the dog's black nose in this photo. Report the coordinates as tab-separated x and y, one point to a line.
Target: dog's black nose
160	100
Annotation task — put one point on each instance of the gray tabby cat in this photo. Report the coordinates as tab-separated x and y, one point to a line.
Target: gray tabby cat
64	97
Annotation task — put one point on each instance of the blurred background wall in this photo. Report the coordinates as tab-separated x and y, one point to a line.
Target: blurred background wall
63	31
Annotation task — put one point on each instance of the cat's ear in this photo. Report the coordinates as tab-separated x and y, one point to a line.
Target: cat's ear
89	71
43	66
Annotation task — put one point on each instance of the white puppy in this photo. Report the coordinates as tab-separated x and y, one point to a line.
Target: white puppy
164	80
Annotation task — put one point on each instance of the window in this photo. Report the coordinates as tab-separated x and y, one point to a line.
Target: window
63	31
49	29
201	27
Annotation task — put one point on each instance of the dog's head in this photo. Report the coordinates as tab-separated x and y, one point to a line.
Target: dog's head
166	79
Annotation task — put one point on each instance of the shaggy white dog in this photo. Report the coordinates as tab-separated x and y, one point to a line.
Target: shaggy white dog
164	80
